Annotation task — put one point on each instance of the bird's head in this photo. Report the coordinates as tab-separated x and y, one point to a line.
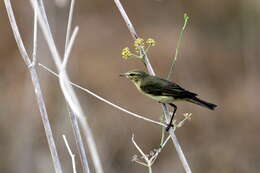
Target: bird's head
135	76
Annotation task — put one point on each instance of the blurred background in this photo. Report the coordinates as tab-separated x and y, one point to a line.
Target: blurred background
218	59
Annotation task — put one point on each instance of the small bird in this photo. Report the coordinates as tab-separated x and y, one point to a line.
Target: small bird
164	91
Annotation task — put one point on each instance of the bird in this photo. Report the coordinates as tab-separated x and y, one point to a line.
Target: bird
164	91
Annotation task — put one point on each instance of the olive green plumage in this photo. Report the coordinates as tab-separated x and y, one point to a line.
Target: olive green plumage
163	90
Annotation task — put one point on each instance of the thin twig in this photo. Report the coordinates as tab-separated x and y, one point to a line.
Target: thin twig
149	162
174	59
16	32
36	84
151	72
141	163
76	130
68	38
126	19
72	115
69	47
104	100
35	38
165	142
79	141
46	123
139	149
67	90
72	4
176	143
70	153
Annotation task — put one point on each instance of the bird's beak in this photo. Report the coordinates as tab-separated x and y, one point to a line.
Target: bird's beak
122	75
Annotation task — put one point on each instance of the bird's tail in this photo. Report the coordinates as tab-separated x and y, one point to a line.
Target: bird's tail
200	102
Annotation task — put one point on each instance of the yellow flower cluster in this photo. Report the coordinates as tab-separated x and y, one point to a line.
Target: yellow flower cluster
126	53
139	42
150	42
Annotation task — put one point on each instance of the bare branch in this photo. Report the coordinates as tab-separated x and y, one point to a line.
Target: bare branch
69	47
76	130
147	160
36	84
79	141
16	32
70	153
165	142
104	100
126	19
67	90
72	4
35	33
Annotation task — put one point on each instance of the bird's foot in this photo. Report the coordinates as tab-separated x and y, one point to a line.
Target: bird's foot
168	127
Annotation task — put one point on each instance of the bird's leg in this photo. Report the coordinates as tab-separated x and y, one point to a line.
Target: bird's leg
173	113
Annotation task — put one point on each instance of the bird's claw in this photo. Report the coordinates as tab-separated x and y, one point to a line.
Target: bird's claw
168	127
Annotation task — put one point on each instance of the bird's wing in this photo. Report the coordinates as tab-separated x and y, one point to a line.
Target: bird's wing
162	87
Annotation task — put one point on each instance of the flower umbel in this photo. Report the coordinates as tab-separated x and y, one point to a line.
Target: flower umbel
126	53
141	47
150	42
139	42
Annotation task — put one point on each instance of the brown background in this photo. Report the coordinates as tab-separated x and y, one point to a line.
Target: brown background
218	59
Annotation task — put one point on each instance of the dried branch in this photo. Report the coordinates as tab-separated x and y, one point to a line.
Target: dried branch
70	153
153	155
35	38
79	141
148	161
67	90
106	101
76	130
36	83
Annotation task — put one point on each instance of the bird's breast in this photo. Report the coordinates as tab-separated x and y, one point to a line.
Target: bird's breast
163	99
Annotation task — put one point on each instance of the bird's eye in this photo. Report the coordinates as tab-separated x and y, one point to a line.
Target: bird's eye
131	74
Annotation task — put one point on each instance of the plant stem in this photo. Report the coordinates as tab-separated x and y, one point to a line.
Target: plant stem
66	88
186	19
106	101
79	141
36	83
